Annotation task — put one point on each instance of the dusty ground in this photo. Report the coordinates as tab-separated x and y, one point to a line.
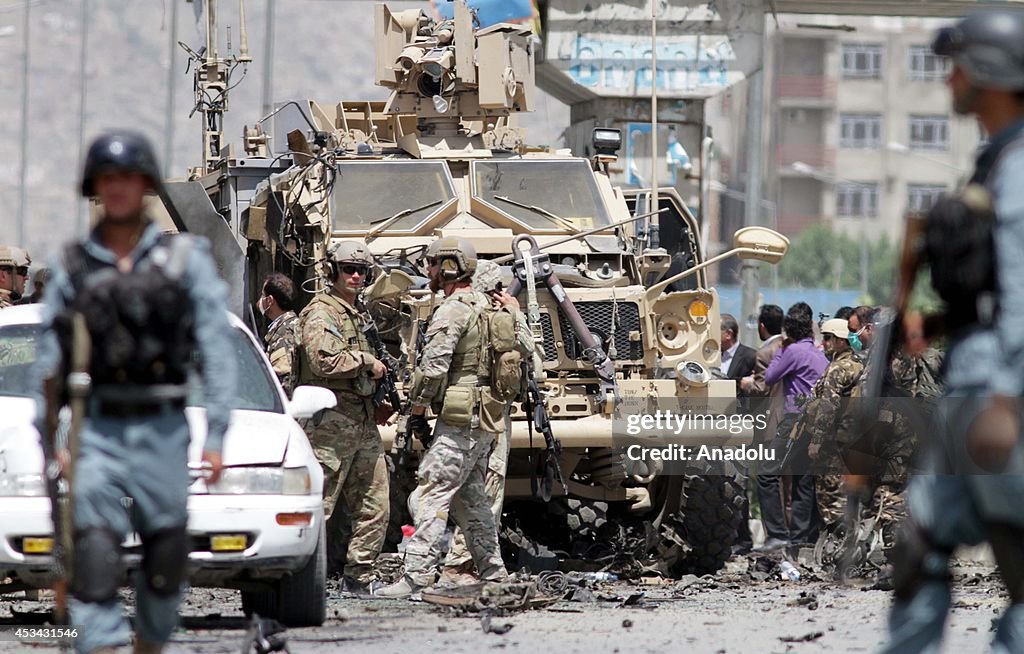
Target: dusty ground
729	613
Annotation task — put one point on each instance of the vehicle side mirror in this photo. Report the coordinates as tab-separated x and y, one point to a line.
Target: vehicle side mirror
760	243
308	400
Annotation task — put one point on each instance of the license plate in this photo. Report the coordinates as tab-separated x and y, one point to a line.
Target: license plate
37	545
228	543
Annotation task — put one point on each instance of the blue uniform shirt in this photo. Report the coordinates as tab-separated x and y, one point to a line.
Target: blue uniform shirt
208	294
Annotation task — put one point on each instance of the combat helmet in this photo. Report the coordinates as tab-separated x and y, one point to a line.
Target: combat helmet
7	256
350	252
456	258
123	151
988	46
487	276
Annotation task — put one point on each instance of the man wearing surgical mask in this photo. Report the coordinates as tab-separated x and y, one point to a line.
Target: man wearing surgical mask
862	330
276	303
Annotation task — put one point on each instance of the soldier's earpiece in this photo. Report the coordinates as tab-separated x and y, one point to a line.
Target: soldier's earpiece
449	268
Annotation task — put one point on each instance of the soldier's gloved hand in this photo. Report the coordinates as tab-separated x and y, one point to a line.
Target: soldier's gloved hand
420	428
378	369
812	450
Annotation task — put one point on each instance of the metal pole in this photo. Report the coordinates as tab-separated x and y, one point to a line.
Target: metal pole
172	71
864	258
268	60
23	182
82	204
749	270
654	111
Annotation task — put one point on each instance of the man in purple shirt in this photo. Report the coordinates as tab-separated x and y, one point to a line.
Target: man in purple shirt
798	365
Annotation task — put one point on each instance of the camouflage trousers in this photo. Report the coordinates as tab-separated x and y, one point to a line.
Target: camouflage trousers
451	479
494	486
351	454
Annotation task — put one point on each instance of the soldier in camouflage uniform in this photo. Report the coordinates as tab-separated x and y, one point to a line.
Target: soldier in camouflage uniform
332	351
448	378
276	303
7	276
458	564
825	419
22	262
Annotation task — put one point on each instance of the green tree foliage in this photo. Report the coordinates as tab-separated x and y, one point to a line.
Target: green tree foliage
821	258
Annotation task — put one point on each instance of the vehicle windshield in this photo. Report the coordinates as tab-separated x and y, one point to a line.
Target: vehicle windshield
367	193
254	391
565	188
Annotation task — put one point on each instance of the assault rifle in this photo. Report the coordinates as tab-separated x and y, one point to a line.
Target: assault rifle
550	468
387	386
60	458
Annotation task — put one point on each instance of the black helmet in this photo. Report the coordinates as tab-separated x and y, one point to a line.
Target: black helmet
989	47
119	151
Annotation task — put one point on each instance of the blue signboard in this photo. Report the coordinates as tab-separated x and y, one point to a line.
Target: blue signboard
491	12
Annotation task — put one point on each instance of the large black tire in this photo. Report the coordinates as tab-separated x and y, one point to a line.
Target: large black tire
710	510
299	599
585	518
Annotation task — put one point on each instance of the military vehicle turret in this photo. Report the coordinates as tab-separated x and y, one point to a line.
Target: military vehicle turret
618	300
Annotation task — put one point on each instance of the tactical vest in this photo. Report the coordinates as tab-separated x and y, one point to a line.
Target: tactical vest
141	323
959	243
349	332
467	360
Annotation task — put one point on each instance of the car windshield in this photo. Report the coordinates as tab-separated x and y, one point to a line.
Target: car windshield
565	188
367	193
255	389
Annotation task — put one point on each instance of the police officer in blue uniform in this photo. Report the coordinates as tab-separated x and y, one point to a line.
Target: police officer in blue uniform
151	302
972	489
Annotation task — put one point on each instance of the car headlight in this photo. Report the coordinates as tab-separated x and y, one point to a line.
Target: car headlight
22	485
257	480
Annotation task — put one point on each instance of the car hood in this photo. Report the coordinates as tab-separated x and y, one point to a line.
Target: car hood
253	438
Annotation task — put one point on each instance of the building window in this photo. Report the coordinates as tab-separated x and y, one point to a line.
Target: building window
860	130
926	65
921	197
862	60
858	200
929	132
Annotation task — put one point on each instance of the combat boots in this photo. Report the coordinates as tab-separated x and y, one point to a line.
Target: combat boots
401	589
459	575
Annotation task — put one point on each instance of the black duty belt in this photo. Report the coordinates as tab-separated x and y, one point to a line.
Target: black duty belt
112	409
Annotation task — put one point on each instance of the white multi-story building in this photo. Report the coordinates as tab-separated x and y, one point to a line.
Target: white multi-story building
860	123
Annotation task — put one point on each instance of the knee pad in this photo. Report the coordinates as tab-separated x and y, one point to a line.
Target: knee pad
96	568
917	561
164	557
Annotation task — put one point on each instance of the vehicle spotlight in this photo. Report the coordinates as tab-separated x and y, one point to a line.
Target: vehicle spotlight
408	58
607	140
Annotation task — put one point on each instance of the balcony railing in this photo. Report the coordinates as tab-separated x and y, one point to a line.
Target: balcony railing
815	155
805	86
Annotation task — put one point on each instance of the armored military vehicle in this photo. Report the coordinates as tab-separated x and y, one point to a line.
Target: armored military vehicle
616	294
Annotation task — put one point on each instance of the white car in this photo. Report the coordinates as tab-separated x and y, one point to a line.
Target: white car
259	529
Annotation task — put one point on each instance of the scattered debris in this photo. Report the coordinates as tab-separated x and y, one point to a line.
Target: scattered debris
264	636
627	624
806	638
488	628
552	582
810	600
632	600
582	594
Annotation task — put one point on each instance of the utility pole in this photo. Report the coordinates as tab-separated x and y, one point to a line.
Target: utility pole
23	182
268	60
172	70
749	270
655	205
82	204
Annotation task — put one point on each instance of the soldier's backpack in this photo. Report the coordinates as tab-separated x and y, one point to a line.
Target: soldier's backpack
501	357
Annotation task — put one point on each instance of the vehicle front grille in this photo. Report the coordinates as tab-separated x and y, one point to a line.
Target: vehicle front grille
598	317
550	351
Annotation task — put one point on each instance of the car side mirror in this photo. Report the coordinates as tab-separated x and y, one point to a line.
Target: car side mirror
308	400
760	243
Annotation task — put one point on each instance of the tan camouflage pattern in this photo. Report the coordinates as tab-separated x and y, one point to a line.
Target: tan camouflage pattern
345	439
825	411
334	348
494	486
452	482
280	342
451	328
351	454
